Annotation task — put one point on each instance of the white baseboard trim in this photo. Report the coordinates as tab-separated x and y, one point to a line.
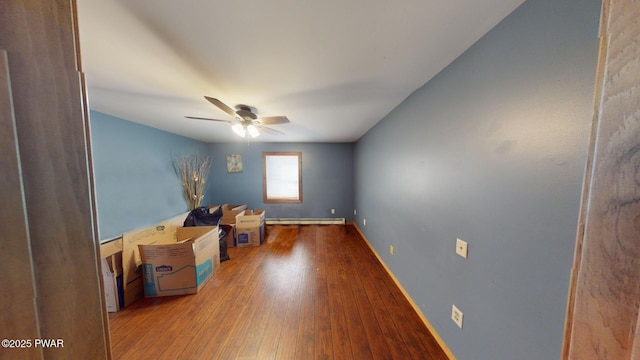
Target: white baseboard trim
433	331
305	221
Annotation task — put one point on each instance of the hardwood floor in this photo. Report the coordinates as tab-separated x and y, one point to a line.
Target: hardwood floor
309	292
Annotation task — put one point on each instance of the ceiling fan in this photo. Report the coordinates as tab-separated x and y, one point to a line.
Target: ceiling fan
246	121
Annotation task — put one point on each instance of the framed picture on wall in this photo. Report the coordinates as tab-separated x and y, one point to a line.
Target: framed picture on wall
234	163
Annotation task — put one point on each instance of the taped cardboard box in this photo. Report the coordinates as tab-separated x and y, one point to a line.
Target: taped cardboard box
250	228
182	267
162	233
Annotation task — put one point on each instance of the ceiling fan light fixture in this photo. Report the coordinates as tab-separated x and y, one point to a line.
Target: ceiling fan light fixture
246	119
253	131
239	129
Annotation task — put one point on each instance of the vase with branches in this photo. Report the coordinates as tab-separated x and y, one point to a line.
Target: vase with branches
193	171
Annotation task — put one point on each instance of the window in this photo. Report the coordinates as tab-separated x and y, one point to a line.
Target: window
282	177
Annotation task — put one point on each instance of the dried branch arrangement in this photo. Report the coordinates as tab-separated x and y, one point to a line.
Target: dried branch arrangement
193	171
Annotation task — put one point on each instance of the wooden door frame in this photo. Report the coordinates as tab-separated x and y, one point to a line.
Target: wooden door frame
604	299
53	289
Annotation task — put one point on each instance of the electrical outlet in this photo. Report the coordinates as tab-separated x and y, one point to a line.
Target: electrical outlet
391	249
456	316
333	211
364	222
355	212
461	248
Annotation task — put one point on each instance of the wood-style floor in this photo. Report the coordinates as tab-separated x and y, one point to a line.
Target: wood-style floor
309	292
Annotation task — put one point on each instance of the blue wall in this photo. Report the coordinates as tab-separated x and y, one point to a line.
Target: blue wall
327	179
136	185
491	151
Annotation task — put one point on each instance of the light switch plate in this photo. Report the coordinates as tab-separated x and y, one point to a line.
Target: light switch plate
461	248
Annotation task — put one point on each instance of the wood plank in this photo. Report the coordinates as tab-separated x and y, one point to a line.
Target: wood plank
335	273
48	103
391	333
306	327
19	317
416	336
248	337
306	339
603	313
174	349
276	319
215	331
289	334
323	340
364	301
360	347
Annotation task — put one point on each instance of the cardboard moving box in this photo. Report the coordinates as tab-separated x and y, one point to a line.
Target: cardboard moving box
111	253
250	228
182	267
228	221
229	213
112	276
162	233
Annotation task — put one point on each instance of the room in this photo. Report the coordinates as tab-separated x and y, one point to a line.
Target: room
509	160
493	150
513	146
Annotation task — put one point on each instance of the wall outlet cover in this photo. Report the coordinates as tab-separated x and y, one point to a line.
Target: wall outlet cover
456	316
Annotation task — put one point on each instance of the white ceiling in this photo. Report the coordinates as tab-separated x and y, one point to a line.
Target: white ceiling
334	68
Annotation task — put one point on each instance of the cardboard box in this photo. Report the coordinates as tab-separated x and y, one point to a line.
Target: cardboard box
229	213
112	280
111	247
162	233
181	267
228	221
111	253
230	238
250	228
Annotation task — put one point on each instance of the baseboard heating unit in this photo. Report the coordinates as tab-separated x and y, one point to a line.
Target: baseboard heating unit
305	221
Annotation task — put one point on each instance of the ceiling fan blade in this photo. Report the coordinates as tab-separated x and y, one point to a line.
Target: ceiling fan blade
274	120
201	118
270	130
222	106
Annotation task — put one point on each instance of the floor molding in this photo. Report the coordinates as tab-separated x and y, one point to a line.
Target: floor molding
424	319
